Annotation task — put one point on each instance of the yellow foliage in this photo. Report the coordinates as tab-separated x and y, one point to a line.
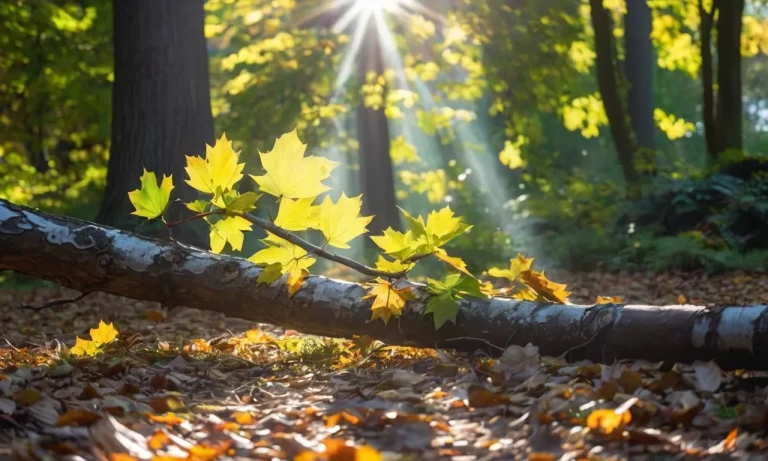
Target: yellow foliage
291	175
219	170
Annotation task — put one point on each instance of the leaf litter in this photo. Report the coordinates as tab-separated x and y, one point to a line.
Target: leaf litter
185	384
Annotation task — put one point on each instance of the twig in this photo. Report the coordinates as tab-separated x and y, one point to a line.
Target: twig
316	250
194	217
57	302
469	338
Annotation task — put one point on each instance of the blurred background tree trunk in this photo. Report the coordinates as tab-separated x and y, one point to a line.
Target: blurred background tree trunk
639	65
161	107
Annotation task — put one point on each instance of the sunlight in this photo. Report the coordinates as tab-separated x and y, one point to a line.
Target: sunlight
379	5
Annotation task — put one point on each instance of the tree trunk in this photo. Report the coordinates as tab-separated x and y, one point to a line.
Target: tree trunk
89	257
707	79
607	82
376	171
639	65
729	104
161	108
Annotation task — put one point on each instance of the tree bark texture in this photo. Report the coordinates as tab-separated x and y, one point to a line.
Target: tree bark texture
161	109
376	171
729	103
639	65
608	84
90	257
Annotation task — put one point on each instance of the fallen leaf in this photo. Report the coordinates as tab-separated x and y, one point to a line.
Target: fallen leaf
77	417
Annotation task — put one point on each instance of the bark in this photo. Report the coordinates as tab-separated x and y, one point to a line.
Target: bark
608	84
376	171
639	65
89	257
161	108
729	103
707	79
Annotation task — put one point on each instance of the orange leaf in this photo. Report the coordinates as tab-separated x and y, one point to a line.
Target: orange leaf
77	417
168	418
159	440
296	279
608	420
243	417
547	289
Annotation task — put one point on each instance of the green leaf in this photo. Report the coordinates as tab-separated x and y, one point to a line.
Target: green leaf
270	274
244	203
198	206
442	308
151	200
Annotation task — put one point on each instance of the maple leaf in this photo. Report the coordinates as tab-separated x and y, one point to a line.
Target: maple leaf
443	308
242	203
151	200
341	222
280	251
516	266
445	304
547	289
219	169
388	301
198	206
296	279
385	265
229	229
270	274
291	175
401	246
83	347
297	215
442	226
454	261
104	334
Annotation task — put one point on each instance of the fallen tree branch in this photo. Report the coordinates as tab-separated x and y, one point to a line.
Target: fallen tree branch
89	257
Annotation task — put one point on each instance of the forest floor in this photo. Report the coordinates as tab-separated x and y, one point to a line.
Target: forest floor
188	384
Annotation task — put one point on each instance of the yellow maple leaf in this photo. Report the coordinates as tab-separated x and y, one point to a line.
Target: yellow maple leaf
296	279
384	264
402	246
229	229
443	226
341	222
83	347
297	215
609	300
547	289
388	301
151	200
516	266
454	261
104	334
279	251
291	175
219	169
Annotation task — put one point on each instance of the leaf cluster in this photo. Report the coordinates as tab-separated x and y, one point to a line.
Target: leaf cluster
296	182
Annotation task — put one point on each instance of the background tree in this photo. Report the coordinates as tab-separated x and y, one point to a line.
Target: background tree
639	67
161	103
610	90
